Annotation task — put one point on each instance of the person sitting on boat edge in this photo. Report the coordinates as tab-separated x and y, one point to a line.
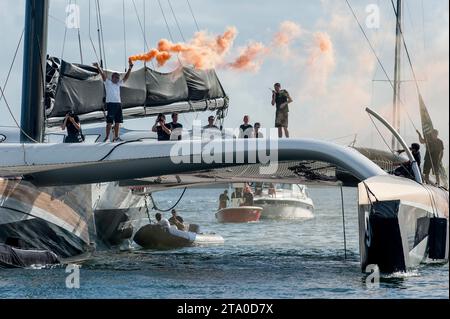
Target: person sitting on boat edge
175	127
223	200
162	221
161	128
73	126
113	100
176	220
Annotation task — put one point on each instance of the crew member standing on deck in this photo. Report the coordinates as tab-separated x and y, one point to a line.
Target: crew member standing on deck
246	129
113	100
433	156
281	100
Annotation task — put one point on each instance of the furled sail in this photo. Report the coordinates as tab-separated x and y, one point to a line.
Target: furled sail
79	88
428	128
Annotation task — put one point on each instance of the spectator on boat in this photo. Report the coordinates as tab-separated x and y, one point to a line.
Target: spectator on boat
176	220
162	221
433	155
211	125
73	126
248	196
161	128
272	190
246	129
175	127
257	133
258	189
281	100
113	100
223	200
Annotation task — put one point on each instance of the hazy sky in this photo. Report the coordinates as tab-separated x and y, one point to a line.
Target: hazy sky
329	98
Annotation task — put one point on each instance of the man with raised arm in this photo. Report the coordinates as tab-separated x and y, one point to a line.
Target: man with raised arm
113	100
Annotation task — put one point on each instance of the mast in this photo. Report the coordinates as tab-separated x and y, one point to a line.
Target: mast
397	74
34	63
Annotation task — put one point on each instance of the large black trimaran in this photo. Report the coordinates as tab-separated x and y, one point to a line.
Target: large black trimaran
63	198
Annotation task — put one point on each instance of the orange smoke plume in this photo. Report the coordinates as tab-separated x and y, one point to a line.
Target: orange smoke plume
250	58
288	32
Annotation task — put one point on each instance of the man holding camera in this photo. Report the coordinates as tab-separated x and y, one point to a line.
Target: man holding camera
113	100
73	126
161	128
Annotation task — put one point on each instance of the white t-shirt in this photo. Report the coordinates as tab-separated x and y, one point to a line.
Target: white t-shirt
164	223
113	91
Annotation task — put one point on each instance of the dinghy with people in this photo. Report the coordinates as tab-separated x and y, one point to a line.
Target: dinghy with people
154	236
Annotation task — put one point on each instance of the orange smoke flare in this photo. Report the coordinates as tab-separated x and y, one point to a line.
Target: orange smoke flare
250	57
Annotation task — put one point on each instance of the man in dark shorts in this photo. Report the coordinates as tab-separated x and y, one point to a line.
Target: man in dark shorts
175	127
161	128
281	100
72	124
246	129
433	156
113	100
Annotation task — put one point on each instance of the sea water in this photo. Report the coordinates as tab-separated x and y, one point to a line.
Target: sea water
267	259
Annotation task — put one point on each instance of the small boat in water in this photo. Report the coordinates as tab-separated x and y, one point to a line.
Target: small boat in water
243	214
286	201
157	237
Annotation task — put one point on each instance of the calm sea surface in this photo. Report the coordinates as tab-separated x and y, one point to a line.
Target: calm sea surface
269	259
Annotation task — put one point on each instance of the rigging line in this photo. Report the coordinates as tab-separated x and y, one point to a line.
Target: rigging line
370	43
176	21
124	35
140	25
378	58
12	64
90	35
2	91
165	20
101	32
193	16
13	117
79	40
406	48
168	28
145	22
65	34
98	34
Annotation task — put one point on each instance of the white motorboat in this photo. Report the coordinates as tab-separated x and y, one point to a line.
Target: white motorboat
285	201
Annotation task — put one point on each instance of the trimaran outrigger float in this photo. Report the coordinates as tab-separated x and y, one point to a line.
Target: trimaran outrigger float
50	193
